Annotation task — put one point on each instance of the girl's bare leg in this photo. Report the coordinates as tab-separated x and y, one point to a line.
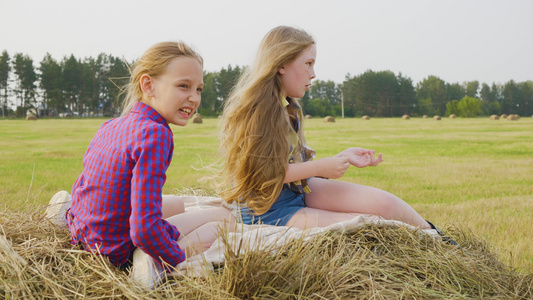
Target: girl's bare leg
200	228
339	196
308	217
172	205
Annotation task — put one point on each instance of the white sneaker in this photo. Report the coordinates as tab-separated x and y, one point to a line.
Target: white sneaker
57	208
145	270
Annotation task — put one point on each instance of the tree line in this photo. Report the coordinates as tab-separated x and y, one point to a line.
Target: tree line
93	87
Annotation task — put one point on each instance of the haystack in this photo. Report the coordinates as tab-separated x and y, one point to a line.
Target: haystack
31	118
197	118
513	117
425	116
504	116
329	119
436	118
452	116
365	117
406	117
494	117
308	117
371	263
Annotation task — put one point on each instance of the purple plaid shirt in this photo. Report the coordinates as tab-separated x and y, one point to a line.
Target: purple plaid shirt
117	198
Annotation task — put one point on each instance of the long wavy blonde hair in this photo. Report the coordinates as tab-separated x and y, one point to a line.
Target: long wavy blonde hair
154	62
254	135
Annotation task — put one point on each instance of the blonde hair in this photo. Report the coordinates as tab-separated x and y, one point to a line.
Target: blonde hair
154	63
254	136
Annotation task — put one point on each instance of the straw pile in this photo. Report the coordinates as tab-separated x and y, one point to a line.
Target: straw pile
197	118
513	117
38	262
453	116
425	116
308	117
329	119
504	116
31	118
406	117
365	117
436	118
494	117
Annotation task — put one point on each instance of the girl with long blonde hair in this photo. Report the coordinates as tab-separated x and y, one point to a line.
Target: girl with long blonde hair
268	167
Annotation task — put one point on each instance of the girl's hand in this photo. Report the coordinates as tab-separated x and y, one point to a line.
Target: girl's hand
361	157
332	167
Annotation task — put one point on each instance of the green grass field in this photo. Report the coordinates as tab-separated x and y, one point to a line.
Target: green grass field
471	173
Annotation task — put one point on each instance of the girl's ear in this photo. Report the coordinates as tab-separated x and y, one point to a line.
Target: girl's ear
281	70
147	85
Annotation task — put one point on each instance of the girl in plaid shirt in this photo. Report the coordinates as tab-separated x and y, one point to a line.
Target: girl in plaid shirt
117	205
267	163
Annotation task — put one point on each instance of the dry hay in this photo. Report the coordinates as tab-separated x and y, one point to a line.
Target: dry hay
308	117
425	116
504	116
37	261
494	117
436	118
452	116
513	117
197	118
365	117
31	118
329	119
406	117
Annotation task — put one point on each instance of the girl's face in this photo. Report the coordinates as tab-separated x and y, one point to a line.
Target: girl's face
176	94
296	76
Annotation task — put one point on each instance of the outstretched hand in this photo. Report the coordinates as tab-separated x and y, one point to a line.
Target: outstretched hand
361	157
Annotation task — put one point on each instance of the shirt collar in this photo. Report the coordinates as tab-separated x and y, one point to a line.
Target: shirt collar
290	103
146	110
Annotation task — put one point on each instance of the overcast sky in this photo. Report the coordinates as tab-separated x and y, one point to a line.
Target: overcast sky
456	40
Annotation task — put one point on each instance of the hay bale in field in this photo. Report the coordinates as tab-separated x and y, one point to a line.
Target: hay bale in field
436	118
197	118
512	117
494	117
365	117
504	116
453	116
31	118
425	116
329	119
308	117
406	117
38	259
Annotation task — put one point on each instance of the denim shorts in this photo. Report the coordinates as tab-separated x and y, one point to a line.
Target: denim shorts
287	204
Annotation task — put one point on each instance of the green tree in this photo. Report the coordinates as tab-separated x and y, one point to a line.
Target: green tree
117	77
25	83
70	82
526	103
211	104
50	84
328	90
406	96
432	95
471	88
469	107
319	107
5	69
455	91
511	98
452	107
226	80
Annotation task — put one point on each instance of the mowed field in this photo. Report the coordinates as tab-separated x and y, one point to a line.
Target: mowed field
468	173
